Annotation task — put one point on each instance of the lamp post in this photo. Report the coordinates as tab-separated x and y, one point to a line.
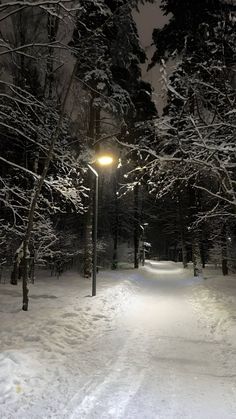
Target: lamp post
143	249
95	230
102	160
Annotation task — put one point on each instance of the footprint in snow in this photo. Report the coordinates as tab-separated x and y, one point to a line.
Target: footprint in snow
32	338
64	316
99	317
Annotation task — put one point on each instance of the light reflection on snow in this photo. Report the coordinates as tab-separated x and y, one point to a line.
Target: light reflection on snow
145	340
154	262
162	267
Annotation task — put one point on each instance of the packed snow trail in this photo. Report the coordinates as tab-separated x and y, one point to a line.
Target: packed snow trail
150	345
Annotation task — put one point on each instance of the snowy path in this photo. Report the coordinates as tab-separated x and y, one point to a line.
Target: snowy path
151	345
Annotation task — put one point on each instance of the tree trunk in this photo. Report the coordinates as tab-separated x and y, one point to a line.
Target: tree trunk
115	246
136	226
224	250
37	191
116	228
88	241
175	256
203	255
182	229
87	268
184	251
25	289
52	28
196	256
14	273
183	242
194	204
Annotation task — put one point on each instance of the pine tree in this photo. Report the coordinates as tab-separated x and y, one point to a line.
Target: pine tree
200	100
109	69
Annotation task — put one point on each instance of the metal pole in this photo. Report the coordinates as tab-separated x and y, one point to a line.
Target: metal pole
143	261
95	229
143	249
144	237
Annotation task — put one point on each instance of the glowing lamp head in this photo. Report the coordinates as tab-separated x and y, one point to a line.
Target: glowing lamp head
105	160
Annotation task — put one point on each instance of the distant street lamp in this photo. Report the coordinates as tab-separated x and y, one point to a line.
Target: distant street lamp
143	234
102	160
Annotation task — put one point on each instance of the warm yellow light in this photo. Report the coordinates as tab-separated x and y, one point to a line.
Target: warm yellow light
105	160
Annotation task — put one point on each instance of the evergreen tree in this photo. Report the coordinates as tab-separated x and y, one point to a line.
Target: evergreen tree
199	115
109	69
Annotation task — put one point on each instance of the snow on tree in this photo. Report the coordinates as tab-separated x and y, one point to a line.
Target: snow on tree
34	123
195	138
107	45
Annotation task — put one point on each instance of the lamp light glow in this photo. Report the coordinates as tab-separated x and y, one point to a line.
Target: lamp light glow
105	160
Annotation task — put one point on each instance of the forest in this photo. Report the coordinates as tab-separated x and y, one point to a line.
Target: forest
71	88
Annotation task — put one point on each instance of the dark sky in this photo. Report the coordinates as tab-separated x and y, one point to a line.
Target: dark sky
149	17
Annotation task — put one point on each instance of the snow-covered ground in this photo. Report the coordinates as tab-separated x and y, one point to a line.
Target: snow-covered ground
154	343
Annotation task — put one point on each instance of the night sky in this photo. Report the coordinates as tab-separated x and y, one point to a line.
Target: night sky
149	17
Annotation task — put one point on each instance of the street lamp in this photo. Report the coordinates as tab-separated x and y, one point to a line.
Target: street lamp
102	160
105	160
